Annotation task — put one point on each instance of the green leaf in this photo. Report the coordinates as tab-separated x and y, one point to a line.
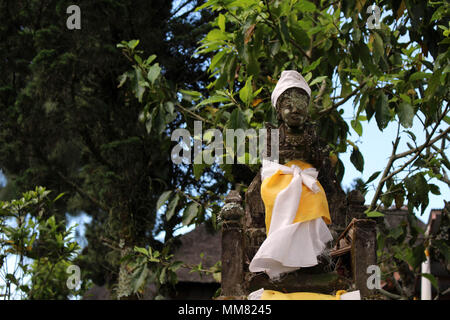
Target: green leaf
300	36
378	47
248	115
170	111
419	76
172	206
313	66
59	196
284	32
363	53
138	59
443	248
140	276
216	35
356	125
141	250
52	222
237	120
162	199
340	170
190	213
357	159
447	119
411	134
194	95
305	6
153	72
421	185
433	84
138	82
246	93
432	279
149	122
10	277
434	189
160	119
162	276
150	59
217	276
176	265
275	47
213	99
216	59
374	214
133	44
415	256
317	80
122	79
373	177
221	22
406	114
382	114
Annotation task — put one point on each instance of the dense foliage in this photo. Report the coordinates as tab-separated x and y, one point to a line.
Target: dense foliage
42	249
66	125
85	116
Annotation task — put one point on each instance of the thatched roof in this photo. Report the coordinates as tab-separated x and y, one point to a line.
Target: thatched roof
200	240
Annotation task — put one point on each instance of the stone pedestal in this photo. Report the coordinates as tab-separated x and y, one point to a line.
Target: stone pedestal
232	246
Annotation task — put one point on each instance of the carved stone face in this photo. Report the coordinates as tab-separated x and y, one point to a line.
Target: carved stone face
292	107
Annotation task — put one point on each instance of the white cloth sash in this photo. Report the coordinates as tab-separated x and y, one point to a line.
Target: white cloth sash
289	245
287	201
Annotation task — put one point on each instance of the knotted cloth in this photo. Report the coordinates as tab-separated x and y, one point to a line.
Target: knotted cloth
296	216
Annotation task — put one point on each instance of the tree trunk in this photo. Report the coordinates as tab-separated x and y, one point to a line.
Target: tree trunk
124	288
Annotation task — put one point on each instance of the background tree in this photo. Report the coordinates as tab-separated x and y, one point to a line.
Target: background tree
42	249
65	123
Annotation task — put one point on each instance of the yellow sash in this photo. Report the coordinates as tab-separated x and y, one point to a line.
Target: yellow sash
312	205
275	295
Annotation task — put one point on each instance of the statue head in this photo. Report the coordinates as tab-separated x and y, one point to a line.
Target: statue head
291	99
292	107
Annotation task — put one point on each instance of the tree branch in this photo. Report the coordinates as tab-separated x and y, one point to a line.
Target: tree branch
180	7
323	86
390	295
417	154
93	149
82	192
441	152
432	141
194	115
386	170
385	176
338	104
273	24
43	158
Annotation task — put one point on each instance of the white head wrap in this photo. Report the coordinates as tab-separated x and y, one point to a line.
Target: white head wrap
289	79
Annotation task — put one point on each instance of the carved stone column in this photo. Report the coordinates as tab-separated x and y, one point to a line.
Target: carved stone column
363	253
355	204
232	245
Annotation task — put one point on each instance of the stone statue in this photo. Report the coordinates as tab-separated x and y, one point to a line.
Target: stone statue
298	140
